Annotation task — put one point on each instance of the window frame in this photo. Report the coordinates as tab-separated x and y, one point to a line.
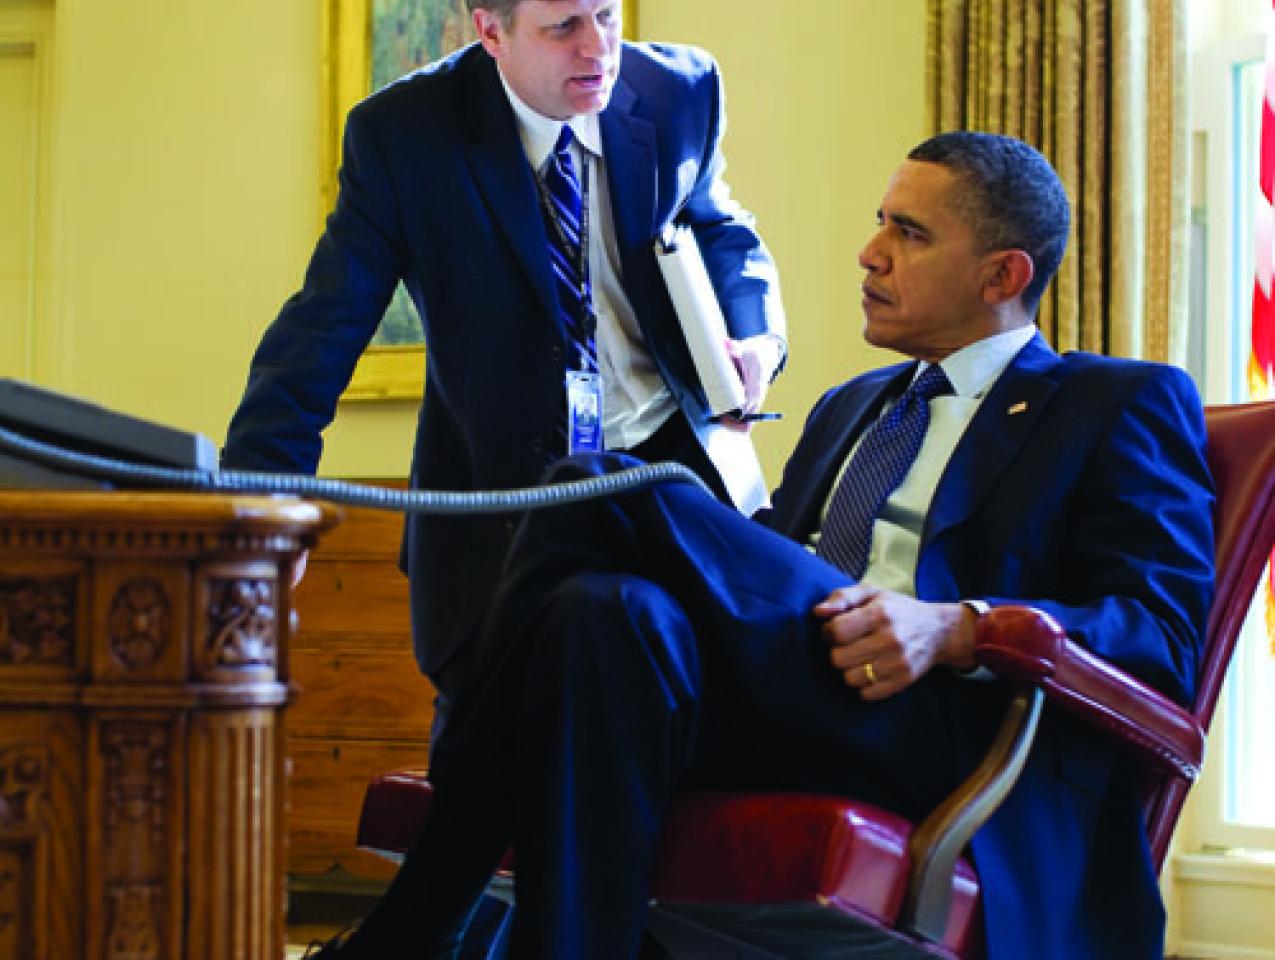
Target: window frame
1220	187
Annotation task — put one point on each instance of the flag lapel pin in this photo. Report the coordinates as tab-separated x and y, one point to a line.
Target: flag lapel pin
1019	407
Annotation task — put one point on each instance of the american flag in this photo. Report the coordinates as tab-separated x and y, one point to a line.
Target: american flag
1262	360
1261	367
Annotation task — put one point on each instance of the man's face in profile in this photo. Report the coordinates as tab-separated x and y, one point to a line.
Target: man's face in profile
561	57
923	293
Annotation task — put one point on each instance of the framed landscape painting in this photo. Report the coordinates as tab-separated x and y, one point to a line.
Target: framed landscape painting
369	43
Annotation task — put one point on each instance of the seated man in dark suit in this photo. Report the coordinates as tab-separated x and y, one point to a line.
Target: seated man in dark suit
657	640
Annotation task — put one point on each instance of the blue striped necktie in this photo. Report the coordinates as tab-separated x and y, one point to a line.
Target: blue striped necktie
564	213
881	461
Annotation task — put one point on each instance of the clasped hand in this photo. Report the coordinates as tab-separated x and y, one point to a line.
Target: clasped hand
882	641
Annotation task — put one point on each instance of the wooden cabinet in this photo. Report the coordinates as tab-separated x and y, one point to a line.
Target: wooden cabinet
364	708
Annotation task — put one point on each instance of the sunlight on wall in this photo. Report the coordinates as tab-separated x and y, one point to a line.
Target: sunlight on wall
187	183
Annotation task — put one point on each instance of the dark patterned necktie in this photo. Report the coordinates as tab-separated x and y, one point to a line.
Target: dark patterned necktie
878	466
563	205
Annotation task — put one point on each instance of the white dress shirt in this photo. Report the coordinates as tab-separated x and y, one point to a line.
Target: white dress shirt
635	400
896	534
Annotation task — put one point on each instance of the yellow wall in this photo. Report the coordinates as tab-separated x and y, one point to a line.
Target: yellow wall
184	185
824	99
25	98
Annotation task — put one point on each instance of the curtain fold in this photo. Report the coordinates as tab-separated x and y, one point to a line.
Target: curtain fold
1099	87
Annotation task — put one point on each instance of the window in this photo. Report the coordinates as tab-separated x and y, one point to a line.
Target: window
1236	802
1248	786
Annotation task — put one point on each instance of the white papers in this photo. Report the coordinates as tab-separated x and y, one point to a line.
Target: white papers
701	318
704	328
735	458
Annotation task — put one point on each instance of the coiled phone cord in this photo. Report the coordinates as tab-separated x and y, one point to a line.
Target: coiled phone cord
351	494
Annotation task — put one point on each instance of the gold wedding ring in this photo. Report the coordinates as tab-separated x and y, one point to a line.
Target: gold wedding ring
869	672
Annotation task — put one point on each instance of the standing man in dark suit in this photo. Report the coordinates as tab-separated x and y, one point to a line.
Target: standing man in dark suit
657	640
443	186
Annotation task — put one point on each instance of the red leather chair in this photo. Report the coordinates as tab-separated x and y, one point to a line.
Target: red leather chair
771	874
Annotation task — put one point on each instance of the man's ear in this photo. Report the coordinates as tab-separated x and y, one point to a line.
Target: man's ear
490	30
1008	273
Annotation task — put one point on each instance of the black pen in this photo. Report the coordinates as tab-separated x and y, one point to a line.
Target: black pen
747	417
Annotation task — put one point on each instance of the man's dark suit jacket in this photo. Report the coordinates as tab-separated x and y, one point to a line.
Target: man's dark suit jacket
435	189
1080	487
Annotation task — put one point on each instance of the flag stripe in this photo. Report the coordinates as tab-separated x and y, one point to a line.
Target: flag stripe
1262	356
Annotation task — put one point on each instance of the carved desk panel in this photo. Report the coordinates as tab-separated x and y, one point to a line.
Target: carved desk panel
143	677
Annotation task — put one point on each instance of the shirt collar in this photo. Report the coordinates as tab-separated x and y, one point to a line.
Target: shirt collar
539	133
974	368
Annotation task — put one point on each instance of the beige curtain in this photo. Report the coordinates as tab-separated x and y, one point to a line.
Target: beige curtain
1099	87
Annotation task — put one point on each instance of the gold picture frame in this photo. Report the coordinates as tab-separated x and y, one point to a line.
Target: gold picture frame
384	372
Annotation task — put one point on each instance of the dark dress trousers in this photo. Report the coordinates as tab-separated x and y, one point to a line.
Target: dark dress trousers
436	190
659	640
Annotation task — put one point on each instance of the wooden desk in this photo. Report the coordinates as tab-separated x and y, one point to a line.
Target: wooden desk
143	676
364	707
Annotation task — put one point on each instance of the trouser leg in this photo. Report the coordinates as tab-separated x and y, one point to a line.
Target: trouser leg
748	593
605	725
423	912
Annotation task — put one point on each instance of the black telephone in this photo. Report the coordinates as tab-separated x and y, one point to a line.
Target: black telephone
79	425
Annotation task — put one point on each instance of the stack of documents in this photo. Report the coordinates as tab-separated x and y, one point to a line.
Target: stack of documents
704	328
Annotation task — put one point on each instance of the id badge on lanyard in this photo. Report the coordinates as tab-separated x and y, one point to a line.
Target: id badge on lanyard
584	412
583	387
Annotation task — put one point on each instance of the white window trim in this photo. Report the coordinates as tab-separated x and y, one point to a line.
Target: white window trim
1213	115
1220	881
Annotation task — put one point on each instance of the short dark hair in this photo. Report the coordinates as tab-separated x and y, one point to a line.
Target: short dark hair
1013	199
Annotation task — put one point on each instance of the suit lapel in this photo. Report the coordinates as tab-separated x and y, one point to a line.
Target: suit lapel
628	144
820	455
628	147
1003	423
500	167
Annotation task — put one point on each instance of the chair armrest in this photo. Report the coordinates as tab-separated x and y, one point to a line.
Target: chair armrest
1029	649
1025	645
939	839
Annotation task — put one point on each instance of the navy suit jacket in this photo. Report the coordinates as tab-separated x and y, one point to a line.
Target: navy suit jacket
435	189
1079	487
